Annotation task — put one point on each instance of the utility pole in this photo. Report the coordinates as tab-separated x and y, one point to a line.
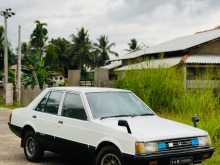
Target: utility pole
7	13
18	85
5	52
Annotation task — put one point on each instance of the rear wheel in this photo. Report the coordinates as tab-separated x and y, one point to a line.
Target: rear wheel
109	156
32	148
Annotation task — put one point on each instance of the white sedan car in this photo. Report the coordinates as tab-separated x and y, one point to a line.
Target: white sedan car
108	126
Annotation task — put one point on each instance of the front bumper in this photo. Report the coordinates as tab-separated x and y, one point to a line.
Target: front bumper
16	130
196	155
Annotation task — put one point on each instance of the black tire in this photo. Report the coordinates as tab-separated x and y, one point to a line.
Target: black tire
107	153
32	149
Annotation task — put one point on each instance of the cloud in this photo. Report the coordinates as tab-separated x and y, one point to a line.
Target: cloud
150	21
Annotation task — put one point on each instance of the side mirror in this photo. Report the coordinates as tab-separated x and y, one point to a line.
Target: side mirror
124	123
195	120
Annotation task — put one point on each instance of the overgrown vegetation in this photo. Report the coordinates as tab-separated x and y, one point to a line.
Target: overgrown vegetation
163	90
3	106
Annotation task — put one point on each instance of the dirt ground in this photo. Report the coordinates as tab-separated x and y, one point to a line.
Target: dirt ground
12	154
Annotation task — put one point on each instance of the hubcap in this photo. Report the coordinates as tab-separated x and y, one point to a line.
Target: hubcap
30	147
110	159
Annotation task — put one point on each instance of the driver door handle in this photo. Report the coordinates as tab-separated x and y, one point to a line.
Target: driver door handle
60	122
34	116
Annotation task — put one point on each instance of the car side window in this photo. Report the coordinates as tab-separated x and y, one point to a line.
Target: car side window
41	106
53	102
73	107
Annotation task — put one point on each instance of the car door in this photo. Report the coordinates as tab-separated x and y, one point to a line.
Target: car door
73	131
45	117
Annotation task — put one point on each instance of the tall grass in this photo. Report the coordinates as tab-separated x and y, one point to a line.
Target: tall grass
163	90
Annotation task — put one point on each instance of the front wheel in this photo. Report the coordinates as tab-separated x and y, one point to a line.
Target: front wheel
109	156
32	148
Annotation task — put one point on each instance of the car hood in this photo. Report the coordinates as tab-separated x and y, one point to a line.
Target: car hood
153	128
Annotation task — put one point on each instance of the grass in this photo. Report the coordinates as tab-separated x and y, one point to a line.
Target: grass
13	106
209	125
163	90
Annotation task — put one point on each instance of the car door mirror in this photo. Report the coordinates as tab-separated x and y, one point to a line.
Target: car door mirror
124	123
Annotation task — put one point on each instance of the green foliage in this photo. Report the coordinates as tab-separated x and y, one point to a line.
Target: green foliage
57	55
34	69
35	72
80	51
1	40
155	87
103	51
133	45
1	100
11	55
39	35
41	59
163	91
11	76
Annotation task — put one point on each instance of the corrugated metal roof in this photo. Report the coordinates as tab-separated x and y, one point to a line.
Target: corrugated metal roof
203	59
157	63
177	44
113	65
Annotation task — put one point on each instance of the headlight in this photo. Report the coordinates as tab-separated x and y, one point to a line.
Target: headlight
149	148
204	141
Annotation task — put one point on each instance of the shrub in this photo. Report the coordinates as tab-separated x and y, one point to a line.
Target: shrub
163	90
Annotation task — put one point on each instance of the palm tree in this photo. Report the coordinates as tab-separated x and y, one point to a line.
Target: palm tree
39	36
133	45
103	50
80	50
33	63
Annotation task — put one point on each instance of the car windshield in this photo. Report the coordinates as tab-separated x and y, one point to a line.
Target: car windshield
116	104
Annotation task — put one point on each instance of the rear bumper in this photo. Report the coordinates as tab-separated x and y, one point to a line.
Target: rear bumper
196	155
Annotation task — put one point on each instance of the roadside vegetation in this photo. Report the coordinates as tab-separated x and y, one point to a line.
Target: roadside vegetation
43	58
163	90
8	107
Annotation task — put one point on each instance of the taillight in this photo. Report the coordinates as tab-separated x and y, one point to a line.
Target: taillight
10	118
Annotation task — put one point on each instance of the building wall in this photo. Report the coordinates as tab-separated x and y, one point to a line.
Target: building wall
212	47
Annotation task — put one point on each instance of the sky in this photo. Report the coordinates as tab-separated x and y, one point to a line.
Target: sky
149	21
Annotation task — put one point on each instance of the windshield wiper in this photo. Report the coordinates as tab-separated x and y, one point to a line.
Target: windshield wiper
105	117
145	114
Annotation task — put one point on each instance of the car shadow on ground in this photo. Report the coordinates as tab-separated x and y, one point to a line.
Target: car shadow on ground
56	159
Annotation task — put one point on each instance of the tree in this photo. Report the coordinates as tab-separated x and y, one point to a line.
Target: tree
1	47
80	51
33	63
11	56
39	36
57	55
25	47
133	45
34	71
103	50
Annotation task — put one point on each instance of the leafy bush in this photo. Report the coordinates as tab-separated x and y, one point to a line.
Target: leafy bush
163	90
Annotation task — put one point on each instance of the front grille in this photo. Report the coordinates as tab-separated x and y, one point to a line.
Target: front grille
178	144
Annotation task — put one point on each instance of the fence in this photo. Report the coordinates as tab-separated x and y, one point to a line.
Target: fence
28	94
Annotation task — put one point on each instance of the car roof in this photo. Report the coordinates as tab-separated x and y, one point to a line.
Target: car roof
88	89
